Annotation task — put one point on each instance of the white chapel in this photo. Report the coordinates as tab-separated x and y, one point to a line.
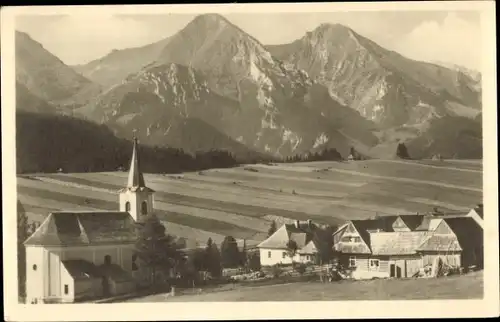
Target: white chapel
75	255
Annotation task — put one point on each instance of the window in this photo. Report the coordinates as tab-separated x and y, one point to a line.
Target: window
144	207
107	260
284	254
351	239
352	261
127	206
269	254
66	289
374	263
34	267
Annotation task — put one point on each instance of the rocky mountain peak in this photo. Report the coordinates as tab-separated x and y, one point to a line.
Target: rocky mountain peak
211	18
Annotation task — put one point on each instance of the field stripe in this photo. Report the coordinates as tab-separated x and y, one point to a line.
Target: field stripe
270	189
187	210
291	177
291	203
58	200
440	204
253	208
367	166
283	183
250	222
429	166
406	180
27	199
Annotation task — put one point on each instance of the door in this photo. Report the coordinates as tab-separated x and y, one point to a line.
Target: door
392	270
398	271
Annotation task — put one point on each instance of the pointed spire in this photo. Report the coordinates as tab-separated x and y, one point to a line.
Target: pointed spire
135	177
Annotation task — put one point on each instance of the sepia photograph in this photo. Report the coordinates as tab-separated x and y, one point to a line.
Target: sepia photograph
267	154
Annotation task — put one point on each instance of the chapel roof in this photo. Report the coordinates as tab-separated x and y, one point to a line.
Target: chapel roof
66	228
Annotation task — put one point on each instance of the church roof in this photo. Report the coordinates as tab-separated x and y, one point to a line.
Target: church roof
81	269
135	180
84	228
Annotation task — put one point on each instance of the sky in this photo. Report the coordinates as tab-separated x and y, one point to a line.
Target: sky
437	36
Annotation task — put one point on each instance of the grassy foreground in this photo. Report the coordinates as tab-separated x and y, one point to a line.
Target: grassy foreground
468	286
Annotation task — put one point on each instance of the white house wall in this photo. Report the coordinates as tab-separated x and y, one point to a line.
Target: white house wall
67	279
277	257
50	276
54	269
36	280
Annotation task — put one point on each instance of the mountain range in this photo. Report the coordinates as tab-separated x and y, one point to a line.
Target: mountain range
213	86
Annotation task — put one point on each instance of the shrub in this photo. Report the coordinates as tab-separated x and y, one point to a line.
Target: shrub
277	271
300	268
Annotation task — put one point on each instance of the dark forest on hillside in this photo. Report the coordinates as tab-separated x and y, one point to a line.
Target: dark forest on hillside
46	143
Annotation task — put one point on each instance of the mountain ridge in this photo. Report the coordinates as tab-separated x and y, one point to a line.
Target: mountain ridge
47	77
335	55
332	88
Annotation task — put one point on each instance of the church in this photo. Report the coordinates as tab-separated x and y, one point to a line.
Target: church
76	255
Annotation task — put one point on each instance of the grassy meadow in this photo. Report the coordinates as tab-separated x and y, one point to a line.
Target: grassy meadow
469	286
242	202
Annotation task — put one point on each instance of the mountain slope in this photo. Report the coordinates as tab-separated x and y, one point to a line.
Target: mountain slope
245	92
382	85
451	137
26	101
282	113
118	64
47	77
45	143
170	105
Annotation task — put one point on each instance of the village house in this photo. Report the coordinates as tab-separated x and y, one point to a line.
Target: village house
275	249
75	255
399	246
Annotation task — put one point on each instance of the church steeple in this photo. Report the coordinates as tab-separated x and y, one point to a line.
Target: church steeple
135	177
136	198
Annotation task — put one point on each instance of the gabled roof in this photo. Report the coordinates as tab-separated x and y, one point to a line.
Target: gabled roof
81	269
115	273
467	230
364	227
479	210
441	243
279	240
84	228
396	243
360	228
429	223
310	248
412	221
432	233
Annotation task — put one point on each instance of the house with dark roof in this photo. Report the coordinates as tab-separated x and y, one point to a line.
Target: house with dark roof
83	254
308	239
399	246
